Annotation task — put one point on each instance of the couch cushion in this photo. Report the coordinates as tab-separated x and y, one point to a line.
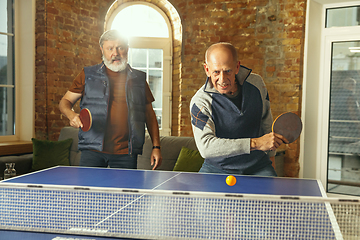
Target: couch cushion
75	154
50	153
188	161
170	150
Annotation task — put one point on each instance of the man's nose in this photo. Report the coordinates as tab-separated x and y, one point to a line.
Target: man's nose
115	52
221	76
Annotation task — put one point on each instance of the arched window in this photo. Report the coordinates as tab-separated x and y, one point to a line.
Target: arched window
149	33
141	21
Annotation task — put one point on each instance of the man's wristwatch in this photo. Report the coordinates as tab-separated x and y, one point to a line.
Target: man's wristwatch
158	147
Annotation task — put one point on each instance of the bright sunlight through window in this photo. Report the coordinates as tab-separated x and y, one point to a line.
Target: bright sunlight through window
140	21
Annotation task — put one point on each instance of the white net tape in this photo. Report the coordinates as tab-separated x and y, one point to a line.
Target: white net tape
168	215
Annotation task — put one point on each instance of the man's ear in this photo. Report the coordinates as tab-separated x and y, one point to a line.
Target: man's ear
237	67
102	52
207	70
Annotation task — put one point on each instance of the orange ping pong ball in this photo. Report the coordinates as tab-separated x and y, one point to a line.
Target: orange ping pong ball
231	180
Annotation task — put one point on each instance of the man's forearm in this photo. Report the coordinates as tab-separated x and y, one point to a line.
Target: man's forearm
152	126
65	107
67	102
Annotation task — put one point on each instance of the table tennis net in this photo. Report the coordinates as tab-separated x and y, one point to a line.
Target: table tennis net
156	214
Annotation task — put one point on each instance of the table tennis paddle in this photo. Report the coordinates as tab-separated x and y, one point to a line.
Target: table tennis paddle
86	119
289	125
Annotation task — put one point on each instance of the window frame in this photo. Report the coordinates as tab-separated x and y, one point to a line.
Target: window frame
24	64
10	87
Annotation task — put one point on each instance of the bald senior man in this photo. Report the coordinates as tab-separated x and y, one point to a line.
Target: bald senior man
231	117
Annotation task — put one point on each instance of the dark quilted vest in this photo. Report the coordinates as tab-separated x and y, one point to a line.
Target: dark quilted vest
96	98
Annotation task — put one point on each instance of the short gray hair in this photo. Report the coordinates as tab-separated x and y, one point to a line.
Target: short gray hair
112	35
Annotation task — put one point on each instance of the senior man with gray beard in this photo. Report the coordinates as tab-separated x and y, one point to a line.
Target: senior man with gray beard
120	102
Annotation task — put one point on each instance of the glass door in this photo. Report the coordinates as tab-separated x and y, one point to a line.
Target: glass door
343	176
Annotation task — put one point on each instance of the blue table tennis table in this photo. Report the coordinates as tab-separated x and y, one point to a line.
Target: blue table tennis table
140	183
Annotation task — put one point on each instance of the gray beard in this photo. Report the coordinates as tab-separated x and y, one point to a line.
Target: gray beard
115	67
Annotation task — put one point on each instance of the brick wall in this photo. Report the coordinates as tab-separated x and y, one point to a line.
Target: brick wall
268	34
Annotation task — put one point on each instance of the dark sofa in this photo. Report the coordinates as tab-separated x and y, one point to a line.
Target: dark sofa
170	149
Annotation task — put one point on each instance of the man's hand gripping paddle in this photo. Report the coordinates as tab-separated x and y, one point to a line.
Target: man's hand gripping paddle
288	125
86	119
